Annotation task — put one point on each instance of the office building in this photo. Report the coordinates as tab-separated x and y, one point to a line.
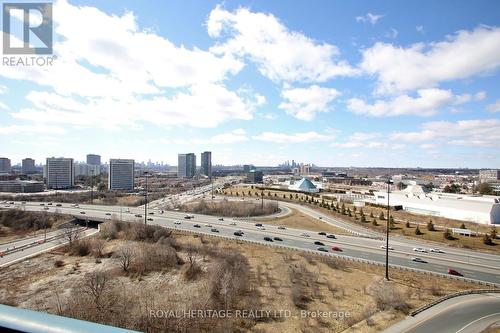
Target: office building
247	168
28	166
186	166
93	159
489	176
60	173
255	177
4	164
21	186
121	174
206	164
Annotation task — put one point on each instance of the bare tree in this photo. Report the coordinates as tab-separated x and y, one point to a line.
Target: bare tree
95	284
71	234
125	257
98	245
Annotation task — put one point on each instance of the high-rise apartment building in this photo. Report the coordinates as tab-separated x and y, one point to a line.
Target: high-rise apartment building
28	166
93	159
206	164
60	173
186	166
5	164
121	174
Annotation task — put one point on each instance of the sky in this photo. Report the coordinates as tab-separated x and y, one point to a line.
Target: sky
334	83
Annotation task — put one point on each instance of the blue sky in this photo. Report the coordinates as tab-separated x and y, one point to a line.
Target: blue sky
334	83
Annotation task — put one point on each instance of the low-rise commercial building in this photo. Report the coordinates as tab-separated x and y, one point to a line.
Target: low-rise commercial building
21	186
471	208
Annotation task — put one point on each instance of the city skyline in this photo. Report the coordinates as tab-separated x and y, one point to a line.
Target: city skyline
330	83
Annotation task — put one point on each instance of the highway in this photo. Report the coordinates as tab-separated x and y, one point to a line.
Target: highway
463	314
473	265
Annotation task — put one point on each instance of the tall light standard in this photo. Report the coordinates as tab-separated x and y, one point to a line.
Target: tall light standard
146	196
92	186
389	181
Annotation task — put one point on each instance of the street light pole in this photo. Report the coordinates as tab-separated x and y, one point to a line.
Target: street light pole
92	186
146	203
387	231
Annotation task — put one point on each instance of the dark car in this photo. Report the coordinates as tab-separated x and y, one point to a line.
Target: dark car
278	239
331	236
268	239
150	219
151	213
319	243
238	233
322	249
221	219
322	233
214	230
258	224
108	213
197	226
138	215
49	204
58	205
454	272
82	212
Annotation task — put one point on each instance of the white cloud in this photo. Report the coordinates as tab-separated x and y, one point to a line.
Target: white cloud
465	54
292	138
428	146
369	17
31	129
495	107
420	28
304	103
3	89
3	106
426	104
477	133
237	135
280	54
366	140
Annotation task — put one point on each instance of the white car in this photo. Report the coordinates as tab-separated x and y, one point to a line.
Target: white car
419	249
420	260
436	250
261	228
304	235
177	222
383	247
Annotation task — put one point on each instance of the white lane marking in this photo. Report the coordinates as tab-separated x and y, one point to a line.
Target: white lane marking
475	321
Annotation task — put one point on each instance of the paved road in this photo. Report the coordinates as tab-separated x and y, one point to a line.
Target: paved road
480	267
463	314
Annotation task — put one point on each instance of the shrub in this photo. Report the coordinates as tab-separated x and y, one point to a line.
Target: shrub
430	226
386	296
408	224
381	216
417	231
447	234
59	263
487	240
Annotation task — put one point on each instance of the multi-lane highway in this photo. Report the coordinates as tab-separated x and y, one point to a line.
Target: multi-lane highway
473	265
463	314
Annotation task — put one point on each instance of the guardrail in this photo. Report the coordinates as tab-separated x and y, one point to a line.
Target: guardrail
344	257
447	297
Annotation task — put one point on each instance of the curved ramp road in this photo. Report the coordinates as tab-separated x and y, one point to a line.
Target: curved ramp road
463	314
483	267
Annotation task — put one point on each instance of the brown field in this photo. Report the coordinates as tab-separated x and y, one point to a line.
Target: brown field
187	271
15	224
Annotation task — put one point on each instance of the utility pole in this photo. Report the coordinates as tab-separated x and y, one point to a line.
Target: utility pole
146	203
262	198
387	231
92	187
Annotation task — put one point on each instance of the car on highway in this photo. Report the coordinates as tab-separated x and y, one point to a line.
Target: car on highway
49	204
214	230
197	226
23	202
261	228
177	222
451	271
221	219
320	217
281	227
2	254
383	247
232	223
108	214
187	217
278	239
322	233
138	215
419	249
238	233
42	204
83	213
258	224
41	241
336	248
436	250
331	236
319	243
46	208
420	260
322	249
304	235
268	239
58	205
11	202
150	219
151	213
208	225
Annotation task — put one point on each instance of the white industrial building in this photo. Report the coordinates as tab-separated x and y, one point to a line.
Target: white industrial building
471	208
